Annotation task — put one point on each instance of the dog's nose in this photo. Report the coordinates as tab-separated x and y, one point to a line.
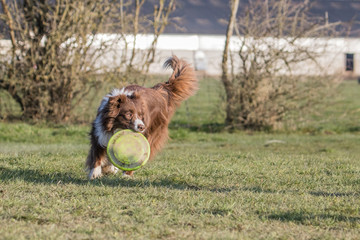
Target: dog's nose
141	127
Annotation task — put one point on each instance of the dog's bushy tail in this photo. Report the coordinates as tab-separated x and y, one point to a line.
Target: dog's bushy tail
182	83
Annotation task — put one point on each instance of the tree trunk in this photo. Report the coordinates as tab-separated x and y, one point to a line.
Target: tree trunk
225	72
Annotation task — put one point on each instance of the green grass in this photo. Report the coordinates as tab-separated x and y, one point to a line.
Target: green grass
202	186
206	183
338	113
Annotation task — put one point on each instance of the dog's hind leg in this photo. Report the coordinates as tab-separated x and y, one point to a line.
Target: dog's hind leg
128	173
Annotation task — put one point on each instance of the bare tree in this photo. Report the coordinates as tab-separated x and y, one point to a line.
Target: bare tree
156	25
41	76
57	49
227	81
271	43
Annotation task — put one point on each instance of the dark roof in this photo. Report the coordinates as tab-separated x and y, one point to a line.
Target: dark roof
210	16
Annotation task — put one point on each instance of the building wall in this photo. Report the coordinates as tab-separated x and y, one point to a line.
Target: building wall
205	52
331	58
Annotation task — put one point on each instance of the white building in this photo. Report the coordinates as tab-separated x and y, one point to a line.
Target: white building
336	55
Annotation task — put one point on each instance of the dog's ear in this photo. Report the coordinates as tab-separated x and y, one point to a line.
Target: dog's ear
117	101
113	110
134	95
115	104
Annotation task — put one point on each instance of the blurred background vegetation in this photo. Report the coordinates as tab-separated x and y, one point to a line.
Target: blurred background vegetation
51	72
338	112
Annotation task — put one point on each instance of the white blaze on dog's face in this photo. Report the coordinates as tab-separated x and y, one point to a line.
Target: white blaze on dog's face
139	125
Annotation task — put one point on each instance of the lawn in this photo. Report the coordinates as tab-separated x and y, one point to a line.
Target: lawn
206	184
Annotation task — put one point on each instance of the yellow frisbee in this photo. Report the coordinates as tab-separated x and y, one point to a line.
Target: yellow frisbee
128	150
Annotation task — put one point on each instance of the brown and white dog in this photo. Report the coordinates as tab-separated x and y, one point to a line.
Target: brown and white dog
145	110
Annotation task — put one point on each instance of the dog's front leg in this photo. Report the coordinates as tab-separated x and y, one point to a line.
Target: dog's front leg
96	160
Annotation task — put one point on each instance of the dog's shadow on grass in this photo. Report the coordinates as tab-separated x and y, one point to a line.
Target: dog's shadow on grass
58	178
36	176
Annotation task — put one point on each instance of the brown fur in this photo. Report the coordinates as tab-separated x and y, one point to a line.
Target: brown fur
153	106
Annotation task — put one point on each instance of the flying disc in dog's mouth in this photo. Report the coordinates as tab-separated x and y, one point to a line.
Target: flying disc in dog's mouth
128	150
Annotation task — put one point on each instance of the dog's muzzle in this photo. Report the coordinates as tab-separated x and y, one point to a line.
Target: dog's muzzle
139	126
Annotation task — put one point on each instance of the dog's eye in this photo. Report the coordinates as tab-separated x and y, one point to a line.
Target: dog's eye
128	115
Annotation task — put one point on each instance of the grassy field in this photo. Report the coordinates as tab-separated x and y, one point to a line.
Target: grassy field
206	184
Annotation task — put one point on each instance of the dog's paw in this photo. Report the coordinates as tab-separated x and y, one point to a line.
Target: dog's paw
110	169
95	173
129	174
